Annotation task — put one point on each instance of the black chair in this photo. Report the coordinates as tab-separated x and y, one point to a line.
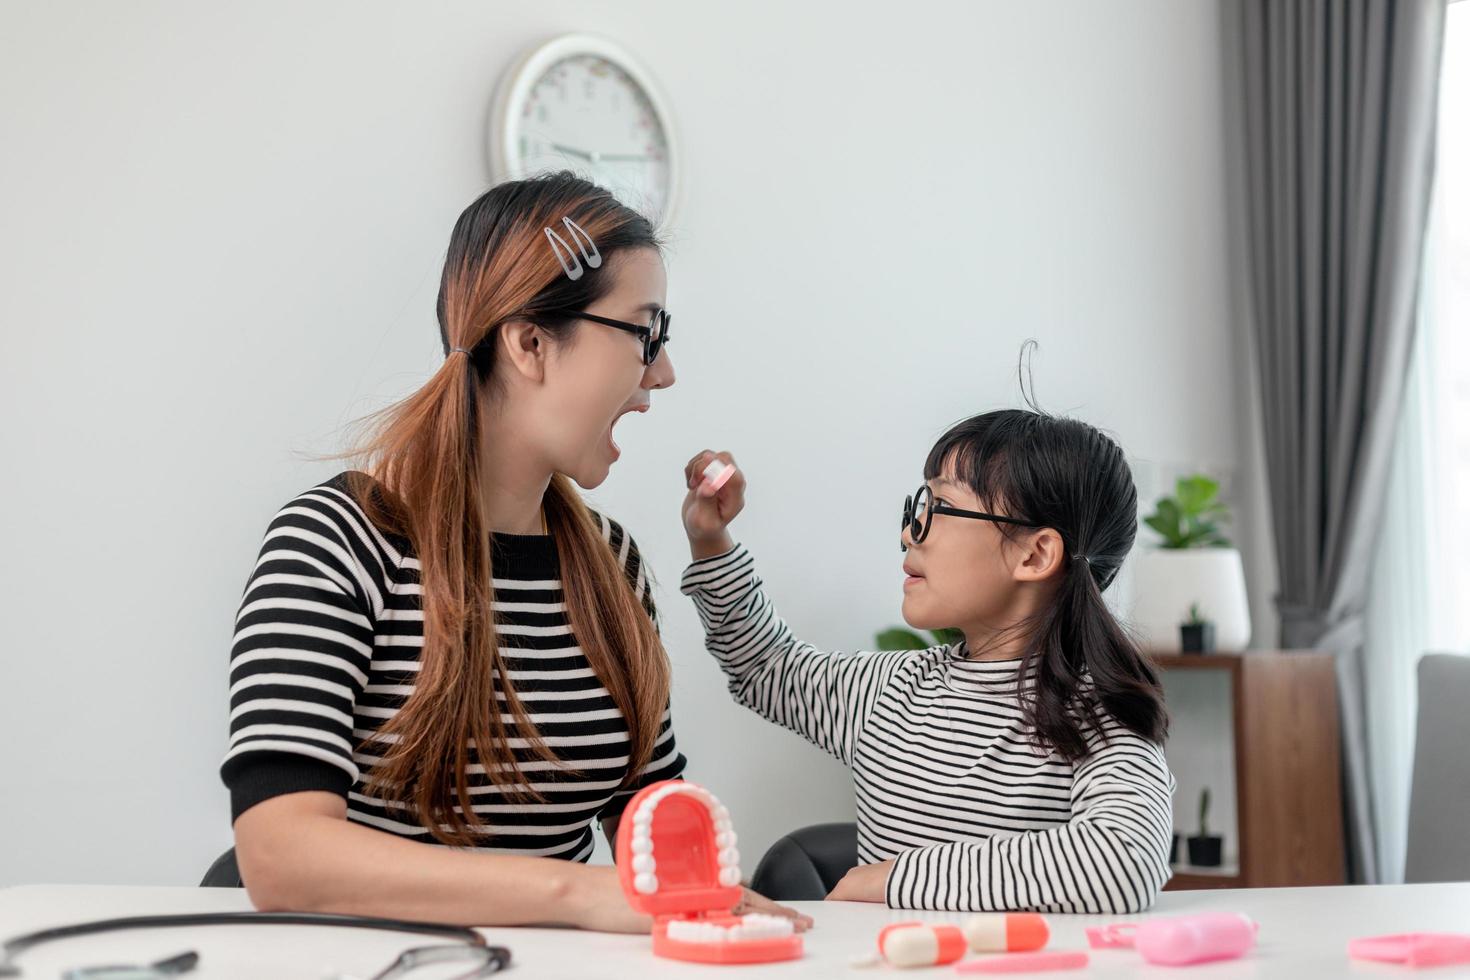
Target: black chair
806	864
223	873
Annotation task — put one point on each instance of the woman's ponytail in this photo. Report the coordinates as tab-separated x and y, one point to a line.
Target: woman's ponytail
424	458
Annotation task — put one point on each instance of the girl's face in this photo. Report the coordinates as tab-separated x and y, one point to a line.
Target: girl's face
598	376
967	574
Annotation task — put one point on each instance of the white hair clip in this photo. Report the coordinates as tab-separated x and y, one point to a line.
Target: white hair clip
570	264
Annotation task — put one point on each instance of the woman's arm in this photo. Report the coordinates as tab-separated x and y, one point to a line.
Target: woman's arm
824	697
298	852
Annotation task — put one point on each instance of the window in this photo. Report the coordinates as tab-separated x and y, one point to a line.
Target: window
1419	600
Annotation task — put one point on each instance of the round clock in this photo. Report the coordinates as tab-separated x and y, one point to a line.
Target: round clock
582	103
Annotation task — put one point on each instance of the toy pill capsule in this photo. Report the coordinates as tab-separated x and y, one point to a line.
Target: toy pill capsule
716	475
909	944
1006	932
1195	938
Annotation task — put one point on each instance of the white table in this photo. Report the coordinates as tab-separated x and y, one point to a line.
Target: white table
1304	934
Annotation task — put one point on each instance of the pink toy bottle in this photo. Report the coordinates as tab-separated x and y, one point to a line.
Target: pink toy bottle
1195	938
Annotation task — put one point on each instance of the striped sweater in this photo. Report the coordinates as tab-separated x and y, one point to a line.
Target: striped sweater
948	781
326	651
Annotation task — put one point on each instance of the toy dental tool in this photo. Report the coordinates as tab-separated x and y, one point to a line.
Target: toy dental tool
1066	959
1413	949
716	475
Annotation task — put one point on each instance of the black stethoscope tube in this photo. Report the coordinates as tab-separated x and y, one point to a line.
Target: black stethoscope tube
19	944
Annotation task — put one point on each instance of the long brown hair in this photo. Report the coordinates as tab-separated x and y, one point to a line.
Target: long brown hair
423	454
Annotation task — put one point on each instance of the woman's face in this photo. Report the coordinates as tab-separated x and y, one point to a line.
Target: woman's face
598	375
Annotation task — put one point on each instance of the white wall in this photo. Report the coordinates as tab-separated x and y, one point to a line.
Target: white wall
220	231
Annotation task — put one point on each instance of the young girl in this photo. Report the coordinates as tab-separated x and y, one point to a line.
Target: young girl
1021	768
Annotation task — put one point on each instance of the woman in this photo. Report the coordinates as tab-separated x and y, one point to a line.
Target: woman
446	668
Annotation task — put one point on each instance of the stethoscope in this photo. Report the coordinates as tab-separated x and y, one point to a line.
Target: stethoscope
472	948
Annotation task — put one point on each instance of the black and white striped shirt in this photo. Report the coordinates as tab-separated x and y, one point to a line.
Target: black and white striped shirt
948	781
326	650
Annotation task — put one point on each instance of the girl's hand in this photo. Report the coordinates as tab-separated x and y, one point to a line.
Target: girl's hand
865	883
706	515
756	902
599	904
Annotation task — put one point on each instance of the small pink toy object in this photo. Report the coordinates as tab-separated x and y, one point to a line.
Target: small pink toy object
1070	959
1181	940
1118	936
1413	949
716	475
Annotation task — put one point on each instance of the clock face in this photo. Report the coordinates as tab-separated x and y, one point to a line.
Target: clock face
586	114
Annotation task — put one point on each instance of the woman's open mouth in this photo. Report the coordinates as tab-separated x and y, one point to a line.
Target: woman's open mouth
612	443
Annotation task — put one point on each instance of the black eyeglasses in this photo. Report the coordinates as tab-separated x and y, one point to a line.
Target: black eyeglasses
920	508
654	334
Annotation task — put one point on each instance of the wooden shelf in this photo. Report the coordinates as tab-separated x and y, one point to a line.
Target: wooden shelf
1284	728
1195	881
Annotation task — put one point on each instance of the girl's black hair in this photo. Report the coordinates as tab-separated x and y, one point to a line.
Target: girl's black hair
1065	474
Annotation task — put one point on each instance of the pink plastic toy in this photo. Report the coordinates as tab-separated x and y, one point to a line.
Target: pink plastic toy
1071	959
1413	948
716	475
677	862
1182	940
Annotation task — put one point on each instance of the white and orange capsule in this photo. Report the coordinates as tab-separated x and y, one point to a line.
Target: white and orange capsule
908	944
911	944
1006	932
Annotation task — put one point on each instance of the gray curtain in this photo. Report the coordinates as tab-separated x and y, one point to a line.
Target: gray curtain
1338	101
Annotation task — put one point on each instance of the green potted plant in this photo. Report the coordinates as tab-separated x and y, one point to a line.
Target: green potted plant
901	638
1191	563
1204	847
1196	634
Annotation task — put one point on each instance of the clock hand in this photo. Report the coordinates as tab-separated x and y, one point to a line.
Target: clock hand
595	157
590	157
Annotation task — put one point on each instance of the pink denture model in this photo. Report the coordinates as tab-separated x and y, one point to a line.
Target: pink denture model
677	862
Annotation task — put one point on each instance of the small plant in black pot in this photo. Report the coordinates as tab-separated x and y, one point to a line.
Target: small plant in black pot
1196	634
1205	848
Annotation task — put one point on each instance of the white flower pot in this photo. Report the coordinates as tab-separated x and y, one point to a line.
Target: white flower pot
1166	582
